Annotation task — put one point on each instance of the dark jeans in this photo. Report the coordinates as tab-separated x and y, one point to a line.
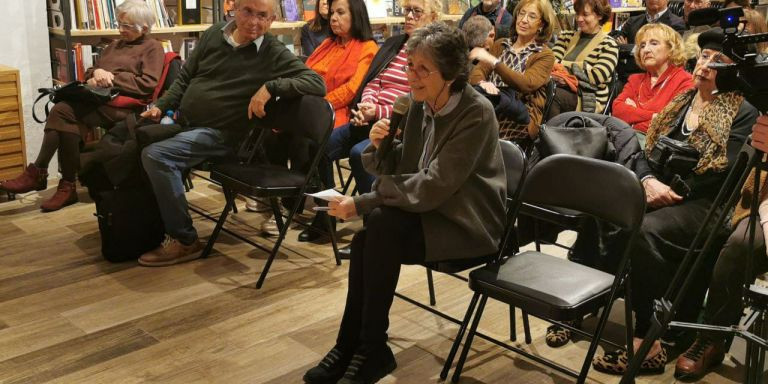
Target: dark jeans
660	246
392	237
347	141
565	101
724	303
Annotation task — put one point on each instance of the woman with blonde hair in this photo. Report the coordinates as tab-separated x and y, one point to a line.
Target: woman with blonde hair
660	52
521	62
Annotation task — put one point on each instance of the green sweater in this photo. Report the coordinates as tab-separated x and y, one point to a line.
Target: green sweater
216	83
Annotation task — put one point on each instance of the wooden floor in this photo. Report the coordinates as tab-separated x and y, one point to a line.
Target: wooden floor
67	316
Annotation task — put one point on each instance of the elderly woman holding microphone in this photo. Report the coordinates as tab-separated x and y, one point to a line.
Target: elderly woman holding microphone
431	201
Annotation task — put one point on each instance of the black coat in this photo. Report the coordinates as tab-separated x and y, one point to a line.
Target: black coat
631	26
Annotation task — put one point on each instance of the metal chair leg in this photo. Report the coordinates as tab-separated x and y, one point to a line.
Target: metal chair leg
431	287
332	234
526	327
459	336
283	230
219	224
512	324
468	342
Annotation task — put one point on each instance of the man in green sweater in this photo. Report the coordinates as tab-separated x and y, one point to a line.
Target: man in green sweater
236	68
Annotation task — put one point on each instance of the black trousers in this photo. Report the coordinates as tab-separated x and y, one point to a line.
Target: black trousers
724	304
659	248
392	237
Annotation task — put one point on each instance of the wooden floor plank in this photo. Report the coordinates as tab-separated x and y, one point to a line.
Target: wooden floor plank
68	316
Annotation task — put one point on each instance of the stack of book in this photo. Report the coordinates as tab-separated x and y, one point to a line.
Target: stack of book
102	14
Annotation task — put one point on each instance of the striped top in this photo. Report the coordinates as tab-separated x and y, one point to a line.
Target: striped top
387	86
599	63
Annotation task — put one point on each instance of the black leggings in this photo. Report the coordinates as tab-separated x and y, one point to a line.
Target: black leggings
392	237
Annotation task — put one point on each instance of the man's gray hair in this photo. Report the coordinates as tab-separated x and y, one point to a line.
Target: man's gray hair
137	12
476	29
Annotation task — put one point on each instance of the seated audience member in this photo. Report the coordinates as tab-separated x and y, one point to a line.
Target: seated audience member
236	68
692	5
656	11
522	63
479	32
132	64
383	83
724	304
424	187
344	57
585	61
716	125
496	14
316	30
755	24
660	52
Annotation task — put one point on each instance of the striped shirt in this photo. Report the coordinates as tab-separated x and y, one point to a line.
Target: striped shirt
387	86
599	65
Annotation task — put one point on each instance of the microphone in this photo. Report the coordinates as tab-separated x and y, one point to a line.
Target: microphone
703	16
399	110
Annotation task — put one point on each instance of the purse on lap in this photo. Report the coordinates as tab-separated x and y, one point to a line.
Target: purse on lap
76	92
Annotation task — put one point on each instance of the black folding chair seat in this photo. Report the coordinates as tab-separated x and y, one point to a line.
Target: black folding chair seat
578	289
307	121
267	179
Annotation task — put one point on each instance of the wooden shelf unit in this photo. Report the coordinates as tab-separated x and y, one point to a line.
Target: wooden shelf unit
13	153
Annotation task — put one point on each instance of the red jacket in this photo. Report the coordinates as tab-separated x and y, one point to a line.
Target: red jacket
649	100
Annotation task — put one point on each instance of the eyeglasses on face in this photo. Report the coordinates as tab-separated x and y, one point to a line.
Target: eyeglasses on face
532	17
417	12
260	16
420	71
127	26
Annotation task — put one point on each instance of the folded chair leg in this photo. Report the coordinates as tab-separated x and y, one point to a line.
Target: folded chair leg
332	234
459	336
512	324
628	318
599	332
283	230
526	327
219	224
431	287
346	185
276	212
468	342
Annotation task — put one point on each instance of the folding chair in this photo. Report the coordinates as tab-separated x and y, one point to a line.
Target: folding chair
307	118
551	88
515	165
613	91
554	288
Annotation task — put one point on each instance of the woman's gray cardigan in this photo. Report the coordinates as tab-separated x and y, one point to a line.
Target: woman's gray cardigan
461	195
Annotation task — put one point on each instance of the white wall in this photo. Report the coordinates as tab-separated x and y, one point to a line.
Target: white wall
24	45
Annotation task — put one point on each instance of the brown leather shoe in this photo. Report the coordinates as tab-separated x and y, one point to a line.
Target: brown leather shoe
171	252
699	359
33	179
66	194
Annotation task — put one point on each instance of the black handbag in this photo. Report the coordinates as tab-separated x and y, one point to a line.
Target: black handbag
671	157
581	136
76	92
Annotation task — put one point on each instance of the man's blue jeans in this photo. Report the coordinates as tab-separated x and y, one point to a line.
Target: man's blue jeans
164	163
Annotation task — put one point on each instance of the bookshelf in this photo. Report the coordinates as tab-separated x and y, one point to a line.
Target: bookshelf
69	35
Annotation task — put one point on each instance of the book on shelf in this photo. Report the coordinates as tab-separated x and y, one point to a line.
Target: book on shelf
290	10
189	12
309	9
187	46
378	8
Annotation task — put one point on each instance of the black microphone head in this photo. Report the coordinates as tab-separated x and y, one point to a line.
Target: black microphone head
402	104
703	16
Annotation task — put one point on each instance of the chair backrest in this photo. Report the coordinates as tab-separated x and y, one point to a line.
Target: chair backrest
598	188
613	91
516	168
551	88
171	69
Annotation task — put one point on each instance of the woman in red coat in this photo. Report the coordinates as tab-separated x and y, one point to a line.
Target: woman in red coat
659	50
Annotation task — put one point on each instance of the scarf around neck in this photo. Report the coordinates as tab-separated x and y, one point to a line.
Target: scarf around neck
710	138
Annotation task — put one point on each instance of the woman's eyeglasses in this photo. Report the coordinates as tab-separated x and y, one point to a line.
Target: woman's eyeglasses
420	72
417	12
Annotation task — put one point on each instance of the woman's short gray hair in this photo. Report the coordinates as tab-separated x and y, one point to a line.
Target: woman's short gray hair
447	48
138	12
476	29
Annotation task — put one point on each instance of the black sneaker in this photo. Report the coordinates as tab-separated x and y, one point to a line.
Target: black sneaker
330	369
369	366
